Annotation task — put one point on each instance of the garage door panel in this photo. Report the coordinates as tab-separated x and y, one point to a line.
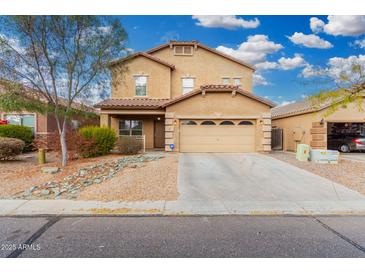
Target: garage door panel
217	148
217	138
214	130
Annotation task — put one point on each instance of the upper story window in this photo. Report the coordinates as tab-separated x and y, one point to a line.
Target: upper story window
226	80
187	85
237	81
183	50
141	85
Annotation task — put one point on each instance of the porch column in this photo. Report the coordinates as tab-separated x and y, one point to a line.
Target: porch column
318	136
104	120
114	124
266	129
169	131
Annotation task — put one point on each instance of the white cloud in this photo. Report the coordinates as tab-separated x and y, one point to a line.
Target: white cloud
170	35
283	63
225	21
309	41
292	63
336	66
316	24
310	71
254	50
259	80
284	103
359	44
345	25
266	65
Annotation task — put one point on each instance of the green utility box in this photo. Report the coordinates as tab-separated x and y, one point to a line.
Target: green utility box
302	152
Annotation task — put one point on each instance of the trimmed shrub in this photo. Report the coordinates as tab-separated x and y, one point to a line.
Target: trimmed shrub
10	147
19	132
129	145
104	139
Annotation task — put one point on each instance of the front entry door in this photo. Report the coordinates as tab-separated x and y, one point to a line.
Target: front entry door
159	134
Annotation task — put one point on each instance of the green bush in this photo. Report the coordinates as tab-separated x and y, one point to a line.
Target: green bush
104	139
19	132
10	147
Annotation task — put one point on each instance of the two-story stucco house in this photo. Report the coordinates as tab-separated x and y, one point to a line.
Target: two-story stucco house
187	97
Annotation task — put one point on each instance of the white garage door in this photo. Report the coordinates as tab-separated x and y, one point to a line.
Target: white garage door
217	136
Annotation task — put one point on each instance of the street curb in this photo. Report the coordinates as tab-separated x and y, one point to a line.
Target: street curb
9	208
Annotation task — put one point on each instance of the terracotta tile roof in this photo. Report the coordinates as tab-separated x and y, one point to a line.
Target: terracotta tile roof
35	94
196	43
149	56
219	88
136	103
300	107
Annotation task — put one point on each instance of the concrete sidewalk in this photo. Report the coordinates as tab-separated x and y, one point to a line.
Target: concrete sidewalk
166	208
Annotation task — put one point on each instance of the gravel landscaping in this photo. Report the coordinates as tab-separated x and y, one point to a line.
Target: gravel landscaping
116	177
348	173
150	181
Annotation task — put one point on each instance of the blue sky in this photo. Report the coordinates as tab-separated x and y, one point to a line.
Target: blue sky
321	44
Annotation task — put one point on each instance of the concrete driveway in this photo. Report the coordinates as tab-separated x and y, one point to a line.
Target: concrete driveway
354	156
240	182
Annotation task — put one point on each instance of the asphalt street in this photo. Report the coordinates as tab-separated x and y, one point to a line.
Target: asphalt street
196	236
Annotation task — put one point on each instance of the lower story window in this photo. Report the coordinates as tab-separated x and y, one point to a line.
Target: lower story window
130	127
27	120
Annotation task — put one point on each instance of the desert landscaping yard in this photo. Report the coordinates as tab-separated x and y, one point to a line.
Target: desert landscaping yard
347	172
150	176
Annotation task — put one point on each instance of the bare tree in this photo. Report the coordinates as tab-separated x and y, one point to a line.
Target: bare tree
62	57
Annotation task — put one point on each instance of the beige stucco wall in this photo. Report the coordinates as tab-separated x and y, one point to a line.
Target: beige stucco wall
298	127
158	79
295	128
206	67
219	106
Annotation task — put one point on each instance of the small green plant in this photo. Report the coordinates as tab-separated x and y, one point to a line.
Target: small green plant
104	139
19	132
10	147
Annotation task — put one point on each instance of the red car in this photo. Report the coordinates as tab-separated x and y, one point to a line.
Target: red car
3	122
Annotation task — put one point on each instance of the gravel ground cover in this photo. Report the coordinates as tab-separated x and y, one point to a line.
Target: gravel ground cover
149	181
348	173
24	178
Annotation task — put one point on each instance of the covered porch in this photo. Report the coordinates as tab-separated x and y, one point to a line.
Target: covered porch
148	124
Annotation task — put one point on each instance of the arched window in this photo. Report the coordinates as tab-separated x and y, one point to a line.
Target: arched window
227	123
188	123
207	123
245	123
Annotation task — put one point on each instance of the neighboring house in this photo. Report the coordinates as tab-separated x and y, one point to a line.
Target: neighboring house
185	96
43	124
305	124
